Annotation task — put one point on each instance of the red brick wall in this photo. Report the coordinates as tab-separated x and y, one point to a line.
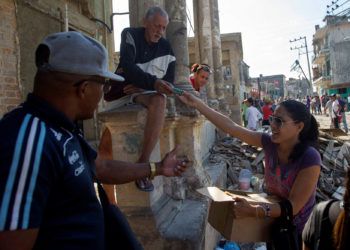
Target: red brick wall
10	95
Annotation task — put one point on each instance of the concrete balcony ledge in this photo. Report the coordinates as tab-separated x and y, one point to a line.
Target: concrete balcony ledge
323	81
119	115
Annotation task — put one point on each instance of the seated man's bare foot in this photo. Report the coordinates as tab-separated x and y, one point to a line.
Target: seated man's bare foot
144	184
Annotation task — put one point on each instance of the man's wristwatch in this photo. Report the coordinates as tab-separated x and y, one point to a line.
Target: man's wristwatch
153	170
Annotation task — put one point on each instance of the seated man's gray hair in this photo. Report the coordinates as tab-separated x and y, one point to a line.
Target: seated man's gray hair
156	10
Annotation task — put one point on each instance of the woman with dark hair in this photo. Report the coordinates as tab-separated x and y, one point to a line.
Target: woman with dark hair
199	75
292	161
329	224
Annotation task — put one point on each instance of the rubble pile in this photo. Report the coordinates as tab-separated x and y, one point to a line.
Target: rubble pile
238	155
335	161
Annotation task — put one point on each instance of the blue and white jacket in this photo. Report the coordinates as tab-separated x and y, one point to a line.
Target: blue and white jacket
142	64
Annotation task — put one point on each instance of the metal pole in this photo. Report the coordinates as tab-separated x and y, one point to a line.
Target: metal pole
308	64
259	87
66	22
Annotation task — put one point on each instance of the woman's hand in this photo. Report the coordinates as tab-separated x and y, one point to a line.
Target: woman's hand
171	165
242	208
189	99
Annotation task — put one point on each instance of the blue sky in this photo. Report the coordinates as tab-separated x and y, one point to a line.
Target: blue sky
266	27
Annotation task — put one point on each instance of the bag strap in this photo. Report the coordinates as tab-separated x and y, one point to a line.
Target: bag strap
286	210
321	215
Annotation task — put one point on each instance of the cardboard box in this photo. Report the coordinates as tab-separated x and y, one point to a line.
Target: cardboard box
221	216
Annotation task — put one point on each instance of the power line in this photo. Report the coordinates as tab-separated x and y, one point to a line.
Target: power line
189	19
334	6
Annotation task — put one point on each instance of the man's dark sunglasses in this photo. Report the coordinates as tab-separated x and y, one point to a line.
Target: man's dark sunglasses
105	82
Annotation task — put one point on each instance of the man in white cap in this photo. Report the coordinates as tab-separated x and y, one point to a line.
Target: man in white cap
47	172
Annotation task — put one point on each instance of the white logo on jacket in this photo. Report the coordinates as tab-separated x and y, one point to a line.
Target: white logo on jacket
73	157
80	169
56	134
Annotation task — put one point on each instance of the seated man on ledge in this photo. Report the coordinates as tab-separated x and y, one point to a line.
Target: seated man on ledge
47	170
147	63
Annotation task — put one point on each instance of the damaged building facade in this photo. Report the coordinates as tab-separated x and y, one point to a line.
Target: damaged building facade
174	216
331	56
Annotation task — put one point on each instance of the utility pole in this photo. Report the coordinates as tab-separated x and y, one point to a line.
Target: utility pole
259	87
307	54
296	65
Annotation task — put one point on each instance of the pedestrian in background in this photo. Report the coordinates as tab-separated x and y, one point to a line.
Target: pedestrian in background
267	111
328	106
244	112
308	102
318	105
335	111
343	109
253	115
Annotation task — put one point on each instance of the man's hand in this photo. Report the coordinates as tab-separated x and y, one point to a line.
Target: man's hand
18	239
131	89
171	166
188	99
163	87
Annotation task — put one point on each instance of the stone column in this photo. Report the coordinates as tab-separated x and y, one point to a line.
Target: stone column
217	57
203	34
177	36
138	8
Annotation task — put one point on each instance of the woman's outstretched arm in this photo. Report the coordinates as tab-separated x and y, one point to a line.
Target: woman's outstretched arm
221	121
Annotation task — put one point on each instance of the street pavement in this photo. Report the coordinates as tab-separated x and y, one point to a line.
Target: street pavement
325	122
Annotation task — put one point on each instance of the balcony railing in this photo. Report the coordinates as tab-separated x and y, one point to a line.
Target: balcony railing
321	55
323	81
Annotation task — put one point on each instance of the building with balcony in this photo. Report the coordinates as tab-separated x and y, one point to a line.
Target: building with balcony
331	59
245	80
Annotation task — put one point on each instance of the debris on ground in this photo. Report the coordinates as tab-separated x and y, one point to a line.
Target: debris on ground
238	155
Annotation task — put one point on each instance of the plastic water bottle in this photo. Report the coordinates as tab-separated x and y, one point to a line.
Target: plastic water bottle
244	179
231	246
